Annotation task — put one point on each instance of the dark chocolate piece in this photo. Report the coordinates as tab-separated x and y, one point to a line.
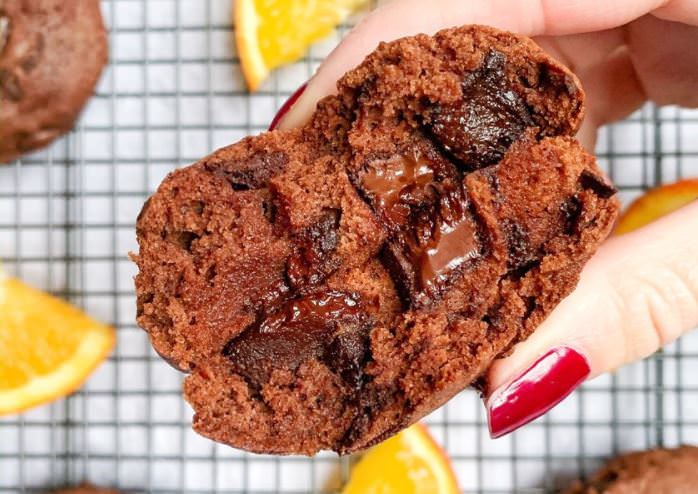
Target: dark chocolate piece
314	260
302	329
597	184
423	204
479	129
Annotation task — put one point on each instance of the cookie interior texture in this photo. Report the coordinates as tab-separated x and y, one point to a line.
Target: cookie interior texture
657	471
327	286
51	55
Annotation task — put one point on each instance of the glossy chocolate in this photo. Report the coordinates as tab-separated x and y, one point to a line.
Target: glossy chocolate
453	245
302	329
425	206
479	128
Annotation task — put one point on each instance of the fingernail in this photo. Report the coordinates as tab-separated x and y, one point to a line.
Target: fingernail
287	106
542	386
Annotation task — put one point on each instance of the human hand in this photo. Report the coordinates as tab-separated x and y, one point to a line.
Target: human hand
640	291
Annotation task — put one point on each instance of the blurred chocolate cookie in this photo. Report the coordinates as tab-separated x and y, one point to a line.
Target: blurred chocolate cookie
51	55
657	471
85	488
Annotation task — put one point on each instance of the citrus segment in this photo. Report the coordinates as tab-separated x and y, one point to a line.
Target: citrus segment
656	203
47	347
408	463
270	33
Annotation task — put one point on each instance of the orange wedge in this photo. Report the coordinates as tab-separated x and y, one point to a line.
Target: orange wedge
656	203
47	347
409	463
269	33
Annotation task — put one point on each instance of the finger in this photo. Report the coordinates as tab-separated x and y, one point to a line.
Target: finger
685	11
621	68
637	294
602	62
406	17
665	59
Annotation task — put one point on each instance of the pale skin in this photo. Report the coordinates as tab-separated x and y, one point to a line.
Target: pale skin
640	291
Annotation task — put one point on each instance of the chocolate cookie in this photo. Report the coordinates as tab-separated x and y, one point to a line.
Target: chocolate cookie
51	55
328	286
658	471
85	489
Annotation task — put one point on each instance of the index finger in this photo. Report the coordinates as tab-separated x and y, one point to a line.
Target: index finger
529	17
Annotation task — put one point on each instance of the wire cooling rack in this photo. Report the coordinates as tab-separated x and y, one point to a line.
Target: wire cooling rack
172	93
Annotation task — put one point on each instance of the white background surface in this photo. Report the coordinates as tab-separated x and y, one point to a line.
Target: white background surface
172	93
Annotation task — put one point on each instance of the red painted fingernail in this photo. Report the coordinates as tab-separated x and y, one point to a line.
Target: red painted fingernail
542	386
287	106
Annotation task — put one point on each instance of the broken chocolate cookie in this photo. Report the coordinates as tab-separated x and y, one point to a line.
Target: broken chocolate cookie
329	285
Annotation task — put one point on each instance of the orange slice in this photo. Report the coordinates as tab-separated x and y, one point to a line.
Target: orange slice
269	33
657	202
47	347
408	463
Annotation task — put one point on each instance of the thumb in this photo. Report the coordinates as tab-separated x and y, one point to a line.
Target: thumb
638	293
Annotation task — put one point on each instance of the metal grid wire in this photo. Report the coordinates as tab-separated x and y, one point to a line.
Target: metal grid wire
172	92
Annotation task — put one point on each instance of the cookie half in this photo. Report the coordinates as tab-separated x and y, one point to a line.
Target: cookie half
327	286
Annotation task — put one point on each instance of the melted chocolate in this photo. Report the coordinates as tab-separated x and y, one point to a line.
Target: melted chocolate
392	181
422	201
478	129
302	329
454	244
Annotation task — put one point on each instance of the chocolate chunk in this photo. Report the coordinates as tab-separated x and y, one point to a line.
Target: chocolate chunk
252	174
423	203
402	271
313	261
272	297
9	86
31	59
396	184
303	329
479	128
597	185
348	353
454	243
517	244
571	209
